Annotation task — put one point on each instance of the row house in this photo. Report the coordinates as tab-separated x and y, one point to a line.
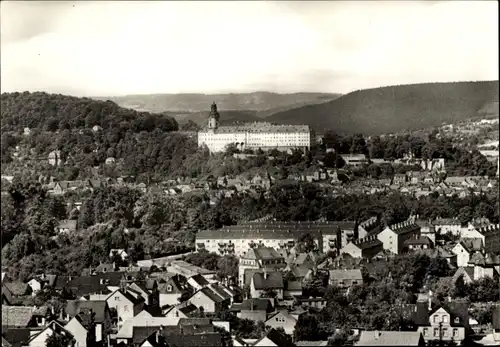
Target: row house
394	236
448	226
489	234
366	248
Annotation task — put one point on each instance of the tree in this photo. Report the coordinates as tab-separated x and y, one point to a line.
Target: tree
340	338
460	290
59	340
307	329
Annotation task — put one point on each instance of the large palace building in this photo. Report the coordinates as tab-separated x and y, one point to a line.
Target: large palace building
263	135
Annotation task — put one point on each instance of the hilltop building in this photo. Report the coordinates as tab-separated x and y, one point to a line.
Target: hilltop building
263	135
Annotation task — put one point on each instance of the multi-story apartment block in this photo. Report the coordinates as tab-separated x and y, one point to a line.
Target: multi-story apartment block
394	236
237	239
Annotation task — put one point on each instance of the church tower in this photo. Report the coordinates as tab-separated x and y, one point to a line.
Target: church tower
213	118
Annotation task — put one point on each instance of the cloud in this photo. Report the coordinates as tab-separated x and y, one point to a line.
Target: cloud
112	48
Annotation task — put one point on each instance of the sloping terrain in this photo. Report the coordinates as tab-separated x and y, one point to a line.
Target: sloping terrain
258	101
397	108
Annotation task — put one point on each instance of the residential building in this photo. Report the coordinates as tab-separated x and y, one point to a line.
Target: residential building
209	301
67	226
448	226
82	328
256	309
170	291
394	236
363	248
237	239
18	317
182	310
127	303
99	311
118	252
390	338
282	319
197	282
416	243
345	278
489	234
263	282
265	258
257	135
273	338
465	248
40	339
449	322
36	285
355	160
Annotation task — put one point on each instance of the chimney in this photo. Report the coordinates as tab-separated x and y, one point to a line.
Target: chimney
158	337
376	334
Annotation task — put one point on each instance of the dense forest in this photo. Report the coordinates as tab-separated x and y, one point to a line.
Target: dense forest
154	225
397	108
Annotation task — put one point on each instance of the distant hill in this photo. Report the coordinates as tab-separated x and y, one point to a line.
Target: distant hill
53	112
397	108
258	101
227	117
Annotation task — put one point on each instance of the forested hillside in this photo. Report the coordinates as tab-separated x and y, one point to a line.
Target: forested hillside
396	108
54	112
258	101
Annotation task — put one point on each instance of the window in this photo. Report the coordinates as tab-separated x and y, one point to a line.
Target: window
426	331
445	332
455	332
457	320
125	308
436	319
436	332
169	288
117	298
445	319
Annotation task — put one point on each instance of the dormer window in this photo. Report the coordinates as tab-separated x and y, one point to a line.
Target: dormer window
169	288
457	320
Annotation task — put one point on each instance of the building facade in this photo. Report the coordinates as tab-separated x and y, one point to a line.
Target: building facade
263	135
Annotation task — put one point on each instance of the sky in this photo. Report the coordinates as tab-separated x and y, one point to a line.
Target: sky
99	48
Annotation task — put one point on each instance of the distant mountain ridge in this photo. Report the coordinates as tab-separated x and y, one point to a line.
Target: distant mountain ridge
397	108
258	101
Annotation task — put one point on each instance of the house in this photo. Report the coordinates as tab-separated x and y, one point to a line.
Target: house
55	158
447	322
197	282
209	301
40	339
399	179
394	236
110	161
151	296
345	278
426	228
255	309
274	338
466	248
83	329
35	285
183	310
282	319
305	343
18	317
489	234
363	248
355	160
263	282
66	226
16	337
164	338
292	288
466	272
390	338
448	225
422	242
99	311
310	302
18	288
127	303
265	258
170	291
118	253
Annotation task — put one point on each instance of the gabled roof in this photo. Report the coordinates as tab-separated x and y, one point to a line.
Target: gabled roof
389	338
255	304
471	244
281	313
278	338
16	316
262	253
16	337
422	240
456	309
174	282
67	224
200	280
99	308
271	280
17	288
209	292
340	275
194	340
404	228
